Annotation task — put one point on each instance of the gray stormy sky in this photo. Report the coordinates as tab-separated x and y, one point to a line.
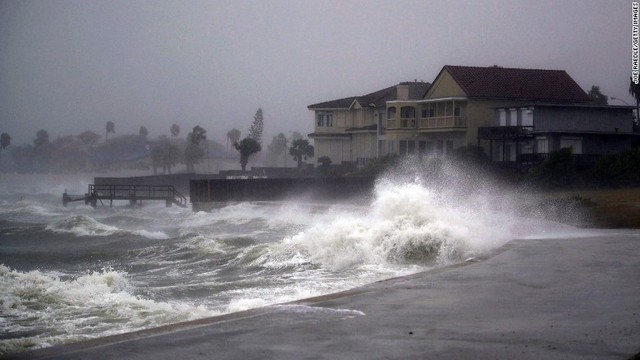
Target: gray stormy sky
70	66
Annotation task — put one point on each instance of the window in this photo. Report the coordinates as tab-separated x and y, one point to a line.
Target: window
422	147
449	146
440	147
407	112
513	118
382	148
542	144
502	115
324	120
527	117
575	143
391	113
411	147
457	111
403	147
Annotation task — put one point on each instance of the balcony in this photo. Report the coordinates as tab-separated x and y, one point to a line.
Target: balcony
505	132
404	123
443	122
408	123
578	159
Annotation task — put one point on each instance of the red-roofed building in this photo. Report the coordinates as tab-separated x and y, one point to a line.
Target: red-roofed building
461	107
461	100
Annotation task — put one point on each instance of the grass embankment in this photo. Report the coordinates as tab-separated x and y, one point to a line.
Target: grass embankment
603	208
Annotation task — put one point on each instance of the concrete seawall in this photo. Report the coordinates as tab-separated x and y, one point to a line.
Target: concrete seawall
206	192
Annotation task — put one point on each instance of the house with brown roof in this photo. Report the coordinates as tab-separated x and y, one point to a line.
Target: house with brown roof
462	99
352	130
512	113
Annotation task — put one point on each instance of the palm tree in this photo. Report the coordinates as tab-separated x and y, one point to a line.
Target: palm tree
110	128
278	146
247	147
597	97
175	130
5	140
193	153
197	135
143	132
165	154
634	90
301	149
233	136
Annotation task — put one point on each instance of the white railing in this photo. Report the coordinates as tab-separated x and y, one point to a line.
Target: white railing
437	122
408	123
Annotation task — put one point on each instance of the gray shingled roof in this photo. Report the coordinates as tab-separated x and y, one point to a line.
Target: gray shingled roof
417	89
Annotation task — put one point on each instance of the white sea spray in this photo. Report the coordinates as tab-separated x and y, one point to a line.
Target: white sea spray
61	308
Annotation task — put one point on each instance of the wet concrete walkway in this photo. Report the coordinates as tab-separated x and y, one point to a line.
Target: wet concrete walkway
573	298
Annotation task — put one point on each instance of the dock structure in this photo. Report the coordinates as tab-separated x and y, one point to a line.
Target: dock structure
133	193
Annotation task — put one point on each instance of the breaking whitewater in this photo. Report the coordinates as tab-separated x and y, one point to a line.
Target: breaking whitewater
75	273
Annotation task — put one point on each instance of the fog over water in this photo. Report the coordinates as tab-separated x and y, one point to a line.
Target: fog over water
69	66
74	273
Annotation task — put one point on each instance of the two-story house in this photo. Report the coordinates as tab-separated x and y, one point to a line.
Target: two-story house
527	134
352	130
462	99
509	112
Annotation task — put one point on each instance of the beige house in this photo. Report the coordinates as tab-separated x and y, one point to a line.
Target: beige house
352	130
462	99
423	118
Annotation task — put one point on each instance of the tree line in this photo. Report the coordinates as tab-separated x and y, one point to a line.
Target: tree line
85	152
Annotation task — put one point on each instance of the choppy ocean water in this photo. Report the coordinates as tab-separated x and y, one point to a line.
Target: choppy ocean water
74	273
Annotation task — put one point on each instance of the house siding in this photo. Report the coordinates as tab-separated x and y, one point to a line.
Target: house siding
445	86
587	119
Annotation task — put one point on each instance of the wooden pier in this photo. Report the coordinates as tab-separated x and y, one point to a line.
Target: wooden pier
133	193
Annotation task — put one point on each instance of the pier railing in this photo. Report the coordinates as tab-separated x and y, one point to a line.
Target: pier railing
138	192
132	193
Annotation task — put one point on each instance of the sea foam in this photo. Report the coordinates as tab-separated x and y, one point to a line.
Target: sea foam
97	303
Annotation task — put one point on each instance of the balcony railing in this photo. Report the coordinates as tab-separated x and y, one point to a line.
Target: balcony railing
505	132
578	159
439	122
405	123
408	123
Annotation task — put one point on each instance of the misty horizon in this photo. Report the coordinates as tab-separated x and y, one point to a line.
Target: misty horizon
68	66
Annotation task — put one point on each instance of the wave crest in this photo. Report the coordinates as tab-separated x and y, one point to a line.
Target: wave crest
406	224
83	225
98	303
